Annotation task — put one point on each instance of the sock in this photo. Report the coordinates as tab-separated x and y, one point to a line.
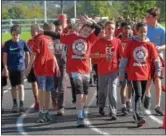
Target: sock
158	105
148	95
14	101
21	103
79	113
124	105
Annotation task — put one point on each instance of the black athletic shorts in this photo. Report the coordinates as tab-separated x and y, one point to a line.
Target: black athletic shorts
16	77
31	77
3	81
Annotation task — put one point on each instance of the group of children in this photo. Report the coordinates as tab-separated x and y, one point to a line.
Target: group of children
55	50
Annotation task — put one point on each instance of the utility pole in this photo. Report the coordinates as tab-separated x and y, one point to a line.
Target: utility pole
45	11
75	9
62	6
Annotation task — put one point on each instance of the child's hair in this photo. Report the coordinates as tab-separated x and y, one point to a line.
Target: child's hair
49	27
57	23
125	24
15	28
155	12
86	25
139	25
109	22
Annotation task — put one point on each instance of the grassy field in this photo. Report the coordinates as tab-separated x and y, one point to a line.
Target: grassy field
24	36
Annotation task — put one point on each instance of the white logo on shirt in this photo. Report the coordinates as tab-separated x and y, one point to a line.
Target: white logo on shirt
79	47
13	49
140	55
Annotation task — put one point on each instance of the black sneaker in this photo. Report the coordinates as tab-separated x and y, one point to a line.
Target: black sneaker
21	110
129	106
124	111
112	116
147	102
158	111
141	122
101	111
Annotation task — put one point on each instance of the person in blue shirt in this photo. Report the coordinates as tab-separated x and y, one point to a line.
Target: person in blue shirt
156	34
15	59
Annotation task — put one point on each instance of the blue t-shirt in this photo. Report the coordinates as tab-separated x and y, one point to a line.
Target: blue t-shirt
156	34
15	54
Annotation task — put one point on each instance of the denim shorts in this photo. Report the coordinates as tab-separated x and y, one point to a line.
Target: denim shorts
45	83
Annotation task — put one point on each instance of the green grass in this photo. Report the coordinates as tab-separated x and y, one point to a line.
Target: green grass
24	36
163	24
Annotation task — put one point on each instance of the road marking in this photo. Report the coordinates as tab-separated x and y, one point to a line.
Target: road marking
148	112
88	123
20	123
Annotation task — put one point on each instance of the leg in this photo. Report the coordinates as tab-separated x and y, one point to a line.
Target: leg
147	102
73	89
137	106
54	93
130	94
12	78
102	94
113	80
158	90
62	90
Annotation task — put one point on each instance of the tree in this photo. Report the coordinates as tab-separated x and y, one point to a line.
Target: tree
137	9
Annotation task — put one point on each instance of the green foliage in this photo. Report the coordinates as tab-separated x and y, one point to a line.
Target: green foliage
136	9
22	11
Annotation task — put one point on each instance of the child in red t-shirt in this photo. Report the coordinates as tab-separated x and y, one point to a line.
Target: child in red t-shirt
78	59
108	51
137	57
45	66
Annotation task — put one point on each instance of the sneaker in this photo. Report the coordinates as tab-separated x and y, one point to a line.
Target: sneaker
80	122
21	109
129	106
101	111
112	116
147	102
124	111
60	112
36	106
15	109
47	116
158	111
42	118
141	122
74	105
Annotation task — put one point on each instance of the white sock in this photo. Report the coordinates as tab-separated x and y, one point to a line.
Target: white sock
123	105
148	95
158	105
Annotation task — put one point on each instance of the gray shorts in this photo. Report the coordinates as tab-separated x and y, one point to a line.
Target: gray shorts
45	83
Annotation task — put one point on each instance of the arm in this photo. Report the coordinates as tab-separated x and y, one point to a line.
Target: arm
27	58
52	34
5	70
157	65
162	47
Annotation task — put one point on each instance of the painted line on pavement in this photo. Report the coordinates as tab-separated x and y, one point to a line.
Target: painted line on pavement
88	123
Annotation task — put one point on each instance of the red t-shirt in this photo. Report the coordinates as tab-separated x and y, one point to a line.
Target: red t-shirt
44	64
108	48
78	54
117	31
140	56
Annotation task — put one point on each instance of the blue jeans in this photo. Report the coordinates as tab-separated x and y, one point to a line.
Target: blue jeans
45	83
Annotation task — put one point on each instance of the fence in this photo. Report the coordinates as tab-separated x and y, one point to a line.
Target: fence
24	23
